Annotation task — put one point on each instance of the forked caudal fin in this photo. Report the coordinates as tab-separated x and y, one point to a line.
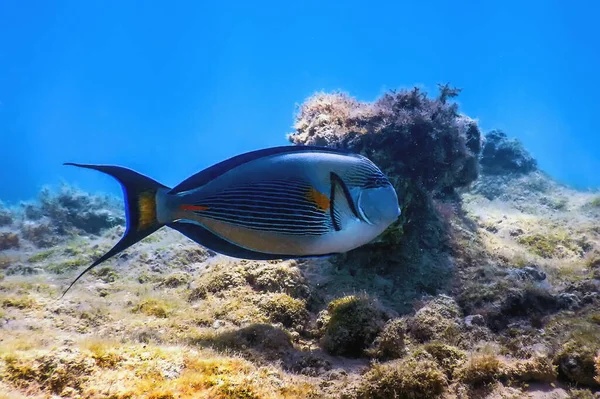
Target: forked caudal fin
139	193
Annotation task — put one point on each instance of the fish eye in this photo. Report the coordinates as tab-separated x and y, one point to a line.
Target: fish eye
376	181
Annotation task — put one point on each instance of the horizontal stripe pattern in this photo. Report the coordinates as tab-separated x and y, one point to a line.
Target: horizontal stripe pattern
366	175
275	206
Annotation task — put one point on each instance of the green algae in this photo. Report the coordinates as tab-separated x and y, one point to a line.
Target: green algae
354	323
282	308
595	202
153	307
401	379
21	302
548	245
41	256
106	274
66	266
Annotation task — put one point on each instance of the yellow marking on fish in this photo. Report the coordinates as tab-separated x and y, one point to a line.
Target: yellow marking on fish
147	209
319	199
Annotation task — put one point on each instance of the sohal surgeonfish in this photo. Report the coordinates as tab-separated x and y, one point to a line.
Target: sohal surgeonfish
275	203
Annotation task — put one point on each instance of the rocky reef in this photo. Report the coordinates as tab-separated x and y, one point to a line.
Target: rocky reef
56	216
487	287
502	155
429	151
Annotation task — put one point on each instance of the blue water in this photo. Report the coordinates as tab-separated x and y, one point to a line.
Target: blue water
170	89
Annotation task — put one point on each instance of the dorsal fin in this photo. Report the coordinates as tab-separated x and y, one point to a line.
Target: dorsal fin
212	172
342	204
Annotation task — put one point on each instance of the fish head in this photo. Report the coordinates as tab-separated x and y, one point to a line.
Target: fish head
378	205
373	195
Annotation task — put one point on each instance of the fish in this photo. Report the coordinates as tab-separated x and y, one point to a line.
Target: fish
286	202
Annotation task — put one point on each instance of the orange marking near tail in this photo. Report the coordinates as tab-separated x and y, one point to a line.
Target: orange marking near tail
320	199
193	208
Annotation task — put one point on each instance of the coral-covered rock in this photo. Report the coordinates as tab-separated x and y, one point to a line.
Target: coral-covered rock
511	187
438	320
282	277
402	379
528	301
8	241
353	325
448	357
58	372
6	216
538	369
502	155
256	341
480	369
427	149
407	134
69	211
390	343
39	233
281	308
576	362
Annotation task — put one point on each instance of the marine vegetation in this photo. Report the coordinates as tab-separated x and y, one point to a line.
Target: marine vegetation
487	285
428	149
6	217
501	155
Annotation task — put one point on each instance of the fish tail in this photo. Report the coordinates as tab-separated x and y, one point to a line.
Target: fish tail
140	193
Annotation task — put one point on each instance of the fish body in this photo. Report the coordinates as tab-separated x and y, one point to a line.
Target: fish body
276	203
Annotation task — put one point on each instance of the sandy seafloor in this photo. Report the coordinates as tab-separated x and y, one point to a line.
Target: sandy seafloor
168	319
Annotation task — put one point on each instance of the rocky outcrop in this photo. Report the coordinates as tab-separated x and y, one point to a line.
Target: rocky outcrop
502	155
427	149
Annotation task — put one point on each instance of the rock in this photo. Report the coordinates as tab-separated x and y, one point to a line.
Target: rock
575	361
390	343
438	320
312	365
6	217
529	302
218	324
9	241
69	211
25	270
501	155
534	273
569	301
474	320
428	151
353	325
590	297
40	233
528	273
